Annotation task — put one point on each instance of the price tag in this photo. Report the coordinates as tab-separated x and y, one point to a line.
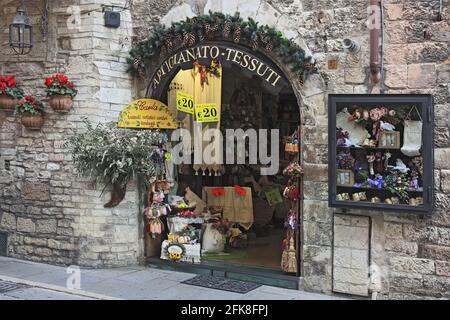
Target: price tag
207	112
185	102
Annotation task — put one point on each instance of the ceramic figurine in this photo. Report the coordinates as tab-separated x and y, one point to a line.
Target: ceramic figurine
371	159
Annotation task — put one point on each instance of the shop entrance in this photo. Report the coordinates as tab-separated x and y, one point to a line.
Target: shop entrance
262	230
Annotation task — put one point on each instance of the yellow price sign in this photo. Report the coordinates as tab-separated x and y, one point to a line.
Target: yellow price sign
185	102
207	112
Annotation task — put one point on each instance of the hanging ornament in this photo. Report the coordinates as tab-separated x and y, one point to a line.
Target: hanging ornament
254	41
226	31
237	34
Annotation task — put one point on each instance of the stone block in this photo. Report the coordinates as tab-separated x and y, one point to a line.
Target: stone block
445	181
25	225
393	230
315	172
396	76
317	211
421	76
8	221
36	191
349	275
348	288
35	241
443	268
355	75
317	233
412	265
46	226
394	11
436	252
401	247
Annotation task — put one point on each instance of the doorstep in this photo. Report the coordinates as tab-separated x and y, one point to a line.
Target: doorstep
261	275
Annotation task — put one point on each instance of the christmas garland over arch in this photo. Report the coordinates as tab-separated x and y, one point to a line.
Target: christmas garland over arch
216	25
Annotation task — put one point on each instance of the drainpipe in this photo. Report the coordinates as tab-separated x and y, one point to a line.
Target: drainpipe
375	27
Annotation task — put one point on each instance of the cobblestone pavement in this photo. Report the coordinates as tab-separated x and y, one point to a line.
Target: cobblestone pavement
44	281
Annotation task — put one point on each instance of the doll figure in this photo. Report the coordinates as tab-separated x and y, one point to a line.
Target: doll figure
371	159
379	163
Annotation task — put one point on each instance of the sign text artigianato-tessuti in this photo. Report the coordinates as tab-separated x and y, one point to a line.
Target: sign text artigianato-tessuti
241	58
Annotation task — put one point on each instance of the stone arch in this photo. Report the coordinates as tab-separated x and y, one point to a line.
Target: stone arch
310	96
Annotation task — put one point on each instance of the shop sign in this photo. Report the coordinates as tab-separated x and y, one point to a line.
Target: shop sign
146	114
185	102
241	58
207	112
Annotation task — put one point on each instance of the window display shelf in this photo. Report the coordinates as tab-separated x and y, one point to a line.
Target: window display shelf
394	137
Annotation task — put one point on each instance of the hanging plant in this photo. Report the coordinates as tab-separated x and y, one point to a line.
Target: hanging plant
216	25
114	156
31	112
61	92
9	93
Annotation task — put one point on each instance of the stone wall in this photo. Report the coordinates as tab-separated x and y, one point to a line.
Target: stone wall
50	213
411	254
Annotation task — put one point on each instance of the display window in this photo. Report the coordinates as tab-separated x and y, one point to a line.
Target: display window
220	212
381	152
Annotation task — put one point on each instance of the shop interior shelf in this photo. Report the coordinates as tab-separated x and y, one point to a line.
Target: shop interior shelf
373	189
366	148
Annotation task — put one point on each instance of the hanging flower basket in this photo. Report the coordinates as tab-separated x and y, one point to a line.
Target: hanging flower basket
61	103
31	112
9	93
7	103
61	92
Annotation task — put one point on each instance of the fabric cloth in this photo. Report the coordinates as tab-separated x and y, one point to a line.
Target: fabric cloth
236	208
357	134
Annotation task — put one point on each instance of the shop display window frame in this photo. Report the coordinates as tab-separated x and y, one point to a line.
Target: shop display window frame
424	104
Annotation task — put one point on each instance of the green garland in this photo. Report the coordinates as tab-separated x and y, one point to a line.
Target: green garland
216	25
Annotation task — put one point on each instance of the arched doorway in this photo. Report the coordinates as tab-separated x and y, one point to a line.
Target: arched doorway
253	93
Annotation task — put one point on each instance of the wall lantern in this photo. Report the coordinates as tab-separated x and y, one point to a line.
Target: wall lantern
21	33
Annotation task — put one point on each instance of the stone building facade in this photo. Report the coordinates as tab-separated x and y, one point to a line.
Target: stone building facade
54	216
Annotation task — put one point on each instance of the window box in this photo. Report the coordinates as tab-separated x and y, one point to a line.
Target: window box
387	142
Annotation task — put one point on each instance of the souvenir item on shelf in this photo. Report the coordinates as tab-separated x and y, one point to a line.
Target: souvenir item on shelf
417	162
375	132
370	143
396	183
414	182
154	227
343	196
377	182
345	160
379	163
293	170
386	126
356	133
274	197
212	241
387	156
289	257
400	166
375	200
412	135
175	251
371	159
292	192
389	140
345	177
359	196
342	137
291	220
194	201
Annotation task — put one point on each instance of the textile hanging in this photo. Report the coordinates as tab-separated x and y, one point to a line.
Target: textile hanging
208	92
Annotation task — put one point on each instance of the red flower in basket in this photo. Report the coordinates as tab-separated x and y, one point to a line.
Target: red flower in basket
59	85
8	87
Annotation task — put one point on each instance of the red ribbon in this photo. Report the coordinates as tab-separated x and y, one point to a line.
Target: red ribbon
217	192
239	190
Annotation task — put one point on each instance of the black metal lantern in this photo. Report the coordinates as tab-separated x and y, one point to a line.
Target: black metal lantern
21	33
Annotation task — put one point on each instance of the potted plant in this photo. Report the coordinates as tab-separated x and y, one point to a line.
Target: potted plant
31	112
61	92
9	93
